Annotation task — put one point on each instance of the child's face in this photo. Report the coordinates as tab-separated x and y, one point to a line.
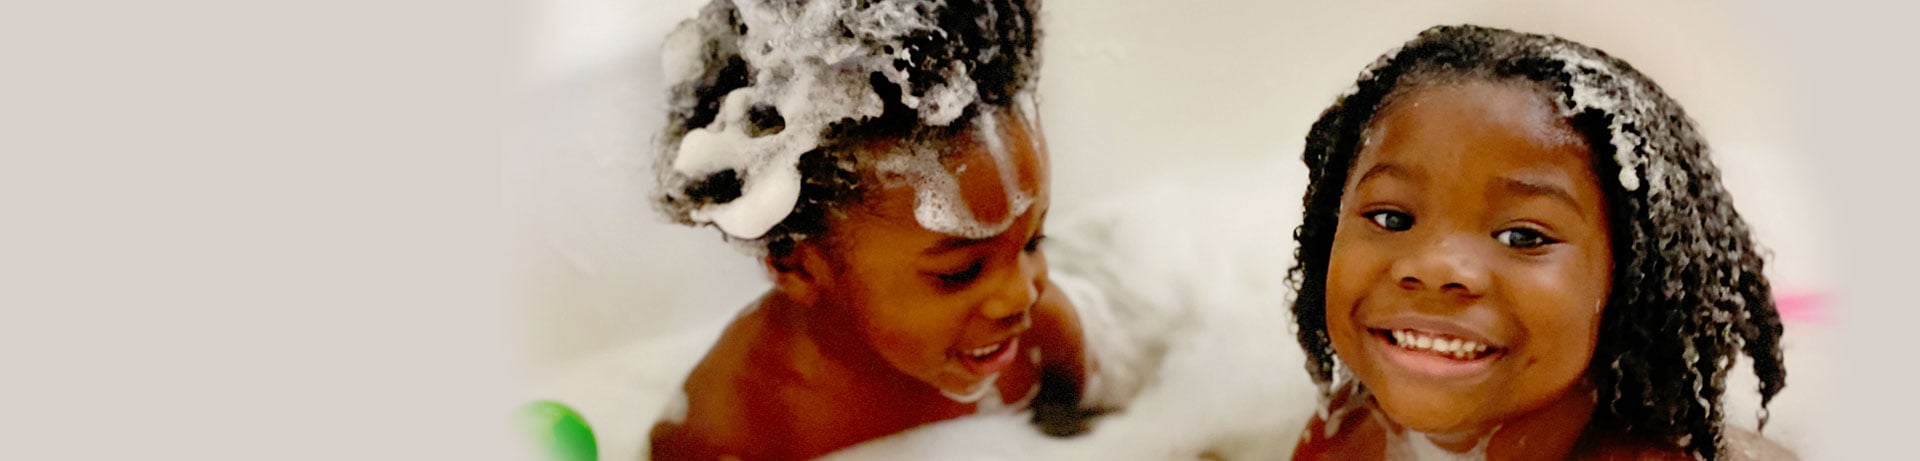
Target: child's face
1470	215
943	309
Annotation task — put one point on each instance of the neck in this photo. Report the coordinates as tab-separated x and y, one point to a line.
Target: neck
1551	432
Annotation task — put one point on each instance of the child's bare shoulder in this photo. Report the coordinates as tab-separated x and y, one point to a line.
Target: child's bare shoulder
731	394
1634	450
1741	445
1344	431
1061	342
1056	324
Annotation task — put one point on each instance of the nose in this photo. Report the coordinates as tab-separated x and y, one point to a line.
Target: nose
1447	265
1017	293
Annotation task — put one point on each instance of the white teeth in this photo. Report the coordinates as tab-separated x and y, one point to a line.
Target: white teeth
984	351
1452	347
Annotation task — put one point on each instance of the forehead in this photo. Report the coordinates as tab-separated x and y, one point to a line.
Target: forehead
995	164
1473	126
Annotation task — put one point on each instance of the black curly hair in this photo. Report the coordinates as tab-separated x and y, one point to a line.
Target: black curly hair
997	42
1688	294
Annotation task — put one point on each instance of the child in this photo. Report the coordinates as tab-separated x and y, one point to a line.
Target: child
1517	248
885	162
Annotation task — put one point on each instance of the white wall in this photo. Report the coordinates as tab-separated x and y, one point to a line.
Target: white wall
1134	91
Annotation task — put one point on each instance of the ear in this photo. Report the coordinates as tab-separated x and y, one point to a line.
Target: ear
803	273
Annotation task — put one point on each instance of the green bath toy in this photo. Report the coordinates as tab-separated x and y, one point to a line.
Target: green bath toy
558	429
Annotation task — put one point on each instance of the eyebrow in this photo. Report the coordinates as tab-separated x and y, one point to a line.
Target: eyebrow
955	243
1388	169
1539	189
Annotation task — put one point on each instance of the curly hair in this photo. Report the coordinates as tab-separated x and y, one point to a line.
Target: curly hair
993	42
1688	294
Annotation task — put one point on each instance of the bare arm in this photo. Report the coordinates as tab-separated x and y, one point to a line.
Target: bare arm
1064	366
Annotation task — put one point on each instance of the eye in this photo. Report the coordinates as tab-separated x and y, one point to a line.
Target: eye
963	276
1033	244
1523	238
1390	220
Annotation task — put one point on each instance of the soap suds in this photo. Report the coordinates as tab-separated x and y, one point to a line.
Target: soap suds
676	411
939	205
1625	110
1625	106
980	391
810	66
1407	445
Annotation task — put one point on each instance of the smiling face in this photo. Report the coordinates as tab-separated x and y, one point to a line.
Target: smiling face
943	309
1471	259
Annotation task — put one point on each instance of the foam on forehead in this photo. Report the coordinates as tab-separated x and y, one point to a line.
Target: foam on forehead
811	64
939	203
1589	78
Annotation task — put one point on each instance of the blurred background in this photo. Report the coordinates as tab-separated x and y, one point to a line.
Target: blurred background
1133	92
247	228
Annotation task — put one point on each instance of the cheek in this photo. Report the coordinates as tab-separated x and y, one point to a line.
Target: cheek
1561	311
1347	282
1347	273
909	324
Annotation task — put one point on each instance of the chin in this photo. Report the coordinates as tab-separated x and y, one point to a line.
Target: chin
1424	414
953	383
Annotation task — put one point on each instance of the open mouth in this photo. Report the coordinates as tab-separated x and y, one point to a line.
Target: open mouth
991	358
1436	343
1436	355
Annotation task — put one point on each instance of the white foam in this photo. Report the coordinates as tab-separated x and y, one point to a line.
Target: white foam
676	411
981	390
1029	105
1404	444
811	63
707	150
1416	446
939	205
1003	161
680	55
994	405
770	180
1624	110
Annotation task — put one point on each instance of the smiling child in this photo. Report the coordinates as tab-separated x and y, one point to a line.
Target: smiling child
1516	247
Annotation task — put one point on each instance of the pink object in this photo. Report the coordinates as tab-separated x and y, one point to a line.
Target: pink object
1801	306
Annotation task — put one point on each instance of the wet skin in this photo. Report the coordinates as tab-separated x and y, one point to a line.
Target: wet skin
1471	215
873	329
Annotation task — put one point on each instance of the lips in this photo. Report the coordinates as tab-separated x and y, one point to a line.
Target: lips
991	358
1435	348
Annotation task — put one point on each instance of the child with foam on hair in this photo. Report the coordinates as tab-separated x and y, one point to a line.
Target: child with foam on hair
884	159
1514	246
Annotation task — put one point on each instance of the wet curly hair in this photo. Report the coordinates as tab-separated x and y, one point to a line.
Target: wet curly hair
996	40
1688	295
